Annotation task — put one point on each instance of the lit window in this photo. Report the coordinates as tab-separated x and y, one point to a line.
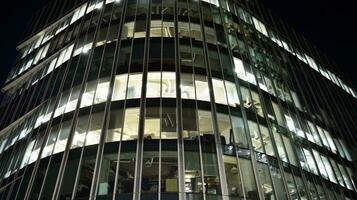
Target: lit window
131	124
63	137
72	102
102	91
316	137
134	86
320	164
95	129
168	84
187	86
153	85
329	169
279	145
80	132
52	138
260	26
119	90
310	161
330	141
88	95
219	91
232	94
27	154
202	90
290	123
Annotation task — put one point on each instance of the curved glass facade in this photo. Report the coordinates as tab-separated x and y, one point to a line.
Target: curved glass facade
173	99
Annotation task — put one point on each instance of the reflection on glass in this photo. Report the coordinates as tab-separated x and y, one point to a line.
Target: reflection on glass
134	86
131	124
119	90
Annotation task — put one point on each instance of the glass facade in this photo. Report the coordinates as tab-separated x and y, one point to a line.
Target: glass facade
173	99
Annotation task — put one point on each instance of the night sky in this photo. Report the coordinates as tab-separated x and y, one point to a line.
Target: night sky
330	25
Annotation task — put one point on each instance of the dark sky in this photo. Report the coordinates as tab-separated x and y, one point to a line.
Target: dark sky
330	25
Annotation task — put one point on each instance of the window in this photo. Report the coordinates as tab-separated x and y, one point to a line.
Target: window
152	123
168	123
232	94
187	86
314	132
95	129
88	95
162	28
153	85
301	157
260	26
238	131
264	176
131	124
80	132
202	90
168	85
289	150
290	123
134	86
102	91
219	91
330	141
310	161
128	30
329	169
27	153
348	177
63	137
320	164
323	137
115	126
119	90
239	68
280	145
72	102
267	140
278	114
52	138
255	136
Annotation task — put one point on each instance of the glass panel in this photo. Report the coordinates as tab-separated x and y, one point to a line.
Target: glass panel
88	95
219	91
131	124
119	90
115	126
63	137
239	133
153	85
102	91
279	145
264	176
168	84
232	94
289	150
152	123
202	90
248	180
47	151
134	86
80	132
187	86
310	161
320	164
209	159
93	134
255	136
266	140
